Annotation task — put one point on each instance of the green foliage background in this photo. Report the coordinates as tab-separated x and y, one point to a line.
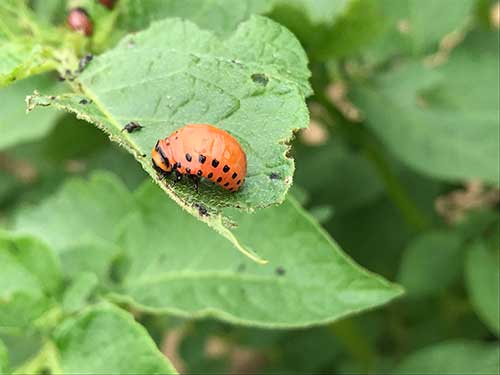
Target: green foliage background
378	225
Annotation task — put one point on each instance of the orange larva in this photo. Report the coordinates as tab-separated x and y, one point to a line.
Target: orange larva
202	151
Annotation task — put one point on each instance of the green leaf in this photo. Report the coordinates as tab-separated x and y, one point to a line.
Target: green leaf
20	60
349	183
424	31
423	115
166	252
105	339
29	279
189	76
220	16
453	357
193	273
431	263
353	23
15	125
81	213
77	295
4	359
482	271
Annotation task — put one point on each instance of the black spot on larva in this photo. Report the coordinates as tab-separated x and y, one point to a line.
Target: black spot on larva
215	163
226	184
202	210
188	157
202	159
219	179
274	176
225	169
176	138
210	175
280	271
234	175
239	182
200	173
188	170
231	189
260	78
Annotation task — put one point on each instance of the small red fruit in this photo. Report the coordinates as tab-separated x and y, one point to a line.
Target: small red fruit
79	20
108	3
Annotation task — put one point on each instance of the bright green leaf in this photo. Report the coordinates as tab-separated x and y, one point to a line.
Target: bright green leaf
30	277
175	265
189	76
15	125
106	339
431	263
221	16
422	116
20	60
453	357
482	271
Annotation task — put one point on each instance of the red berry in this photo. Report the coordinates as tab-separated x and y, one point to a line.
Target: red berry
108	3
79	20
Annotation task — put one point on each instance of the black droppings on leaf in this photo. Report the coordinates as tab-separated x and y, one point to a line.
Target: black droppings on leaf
132	126
260	78
202	210
280	271
84	61
85	101
274	176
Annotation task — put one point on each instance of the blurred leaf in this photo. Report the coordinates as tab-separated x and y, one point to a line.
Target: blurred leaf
374	234
20	347
21	60
431	262
220	284
220	16
409	26
80	212
453	357
334	175
15	125
29	280
450	139
77	295
330	28
4	359
482	271
424	31
49	11
209	82
105	339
